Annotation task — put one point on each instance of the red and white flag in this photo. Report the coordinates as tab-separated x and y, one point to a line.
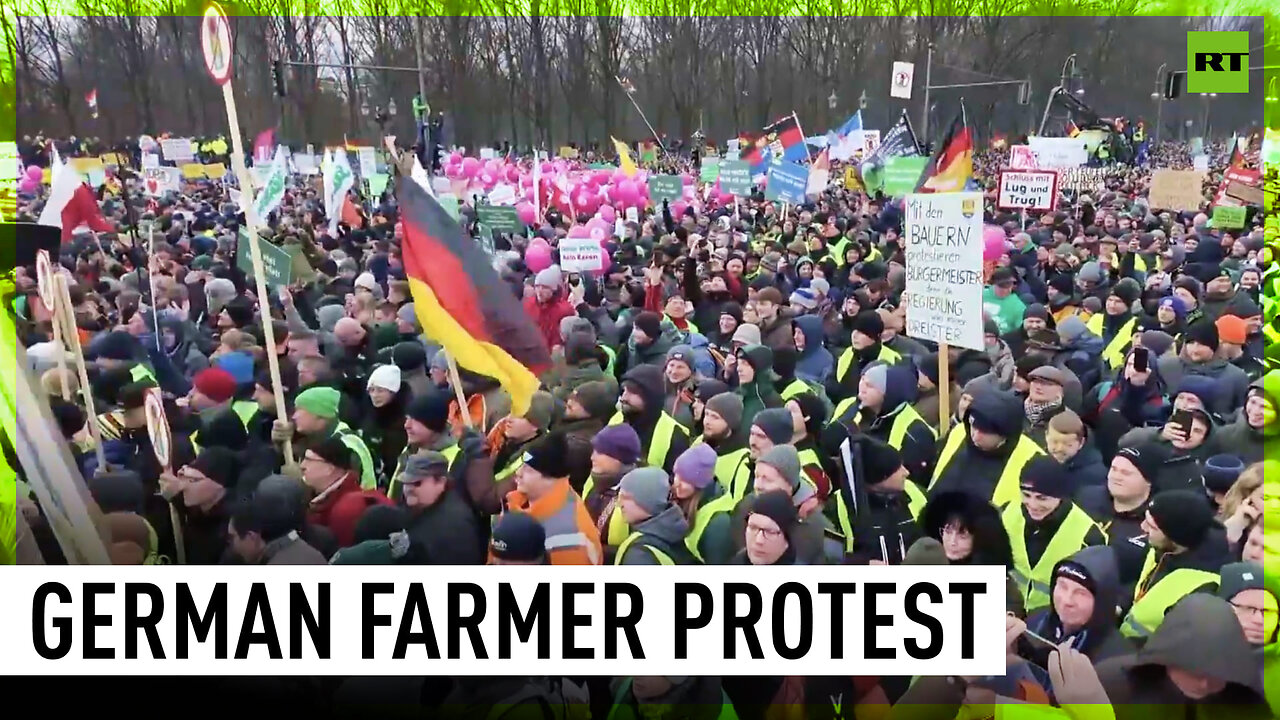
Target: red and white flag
72	203
92	100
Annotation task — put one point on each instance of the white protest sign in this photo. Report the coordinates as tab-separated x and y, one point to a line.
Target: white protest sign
1082	179
160	180
579	255
1200	162
503	195
944	268
870	141
44	278
305	164
734	146
368	161
1022	157
488	153
1027	190
150	160
633	214
177	149
1054	152
901	79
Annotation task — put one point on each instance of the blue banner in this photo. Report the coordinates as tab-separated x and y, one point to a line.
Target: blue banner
787	182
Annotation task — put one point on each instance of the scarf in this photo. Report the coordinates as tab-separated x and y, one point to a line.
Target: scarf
1036	410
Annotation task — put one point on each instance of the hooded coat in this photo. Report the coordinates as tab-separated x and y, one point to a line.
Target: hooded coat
977	471
1200	635
1232	382
664	532
759	394
1100	638
982	520
1242	439
649	384
815	364
919	446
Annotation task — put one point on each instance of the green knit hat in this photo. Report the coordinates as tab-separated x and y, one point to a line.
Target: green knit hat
319	401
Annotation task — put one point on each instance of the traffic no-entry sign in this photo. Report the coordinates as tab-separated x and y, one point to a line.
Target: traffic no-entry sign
215	43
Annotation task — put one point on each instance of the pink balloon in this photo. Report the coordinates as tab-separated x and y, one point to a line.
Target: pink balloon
686	178
538	257
993	242
512	173
470	166
27	185
525	211
608	214
725	198
625	191
600	177
491	166
579	232
35	173
678	208
598	229
619	177
547	168
559	166
455	158
488	180
453	172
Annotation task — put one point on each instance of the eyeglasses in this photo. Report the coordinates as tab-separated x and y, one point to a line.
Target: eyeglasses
766	533
1250	610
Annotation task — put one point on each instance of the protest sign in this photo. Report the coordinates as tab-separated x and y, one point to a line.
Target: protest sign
735	177
569	153
710	169
488	153
1227	217
870	142
787	183
117	159
97	177
734	146
192	171
944	268
1055	152
1239	186
851	181
633	214
368	161
665	187
277	263
901	175
1082	179
581	255
1022	157
1200	163
503	195
1027	190
84	165
305	164
160	180
1242	194
1176	189
215	171
150	160
901	79
500	218
177	149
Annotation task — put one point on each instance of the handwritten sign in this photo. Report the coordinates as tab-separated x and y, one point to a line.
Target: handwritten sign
665	187
581	255
1028	189
1176	189
177	149
944	268
160	180
1055	152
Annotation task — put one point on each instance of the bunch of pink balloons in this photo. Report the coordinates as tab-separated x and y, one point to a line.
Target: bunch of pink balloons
993	242
31	180
537	257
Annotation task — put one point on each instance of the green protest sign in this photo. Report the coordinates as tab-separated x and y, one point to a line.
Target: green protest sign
602	166
1226	217
378	184
901	174
735	177
277	263
450	204
710	169
665	187
500	218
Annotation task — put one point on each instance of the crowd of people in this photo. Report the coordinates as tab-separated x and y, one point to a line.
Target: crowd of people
1107	446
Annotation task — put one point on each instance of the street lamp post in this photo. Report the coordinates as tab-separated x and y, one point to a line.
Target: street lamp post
1159	98
1204	123
1075	74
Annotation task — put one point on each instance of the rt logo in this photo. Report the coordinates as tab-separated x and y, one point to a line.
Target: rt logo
1218	62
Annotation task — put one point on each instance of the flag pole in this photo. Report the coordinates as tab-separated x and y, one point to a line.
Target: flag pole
455	379
642	115
802	140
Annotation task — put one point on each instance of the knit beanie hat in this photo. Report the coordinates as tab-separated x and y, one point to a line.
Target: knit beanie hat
728	406
650	323
518	537
216	384
1147	457
597	397
549	456
1184	516
1175	303
681	353
1046	476
1232	329
649	487
697	466
778	507
319	401
218	464
239	365
746	334
879	460
1128	291
1071	328
431	409
1204	333
409	314
335	452
541	407
1203	387
1190	284
549	277
1036	310
877	376
1157	341
786	461
927	365
776	424
868	323
709	388
1221	472
619	442
409	355
1235	578
386	377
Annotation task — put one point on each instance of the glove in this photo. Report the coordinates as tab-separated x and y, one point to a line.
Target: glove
293	470
472	444
281	431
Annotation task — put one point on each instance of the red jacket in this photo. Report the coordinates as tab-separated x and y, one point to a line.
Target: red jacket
340	508
548	316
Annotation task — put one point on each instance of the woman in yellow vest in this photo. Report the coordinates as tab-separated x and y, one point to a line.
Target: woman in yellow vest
1185	556
658	528
1045	528
615	451
705	505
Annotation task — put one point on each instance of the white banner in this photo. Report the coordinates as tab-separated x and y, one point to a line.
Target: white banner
177	150
1055	152
1028	190
581	255
900	82
503	195
944	268
1200	162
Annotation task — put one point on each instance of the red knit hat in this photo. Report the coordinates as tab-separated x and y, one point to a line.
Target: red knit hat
1232	329
216	384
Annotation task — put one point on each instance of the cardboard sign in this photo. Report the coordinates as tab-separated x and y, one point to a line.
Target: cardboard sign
1054	152
1228	217
735	177
581	255
117	159
1022	157
787	183
943	245
665	187
1027	190
193	171
177	150
1176	190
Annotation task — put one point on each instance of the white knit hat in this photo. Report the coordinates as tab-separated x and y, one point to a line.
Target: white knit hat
386	377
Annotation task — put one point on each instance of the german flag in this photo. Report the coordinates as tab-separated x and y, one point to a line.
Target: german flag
951	166
461	302
1071	128
1237	158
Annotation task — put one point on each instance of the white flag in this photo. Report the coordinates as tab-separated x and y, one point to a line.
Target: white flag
904	74
341	179
272	192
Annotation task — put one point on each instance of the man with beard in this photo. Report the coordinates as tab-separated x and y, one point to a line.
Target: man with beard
585	414
641	406
721	420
